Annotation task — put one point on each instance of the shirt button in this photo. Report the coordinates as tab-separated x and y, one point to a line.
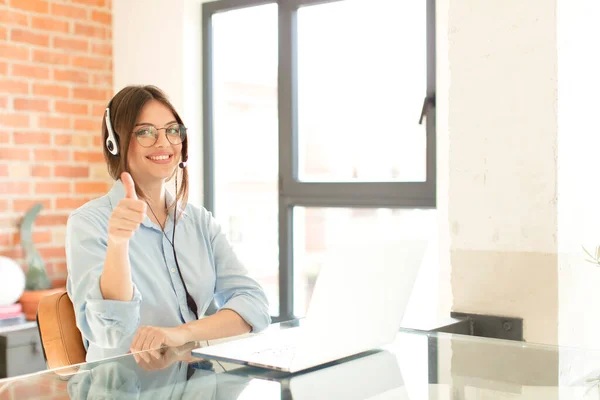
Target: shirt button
173	270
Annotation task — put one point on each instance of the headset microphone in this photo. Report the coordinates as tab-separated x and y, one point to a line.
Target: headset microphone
182	164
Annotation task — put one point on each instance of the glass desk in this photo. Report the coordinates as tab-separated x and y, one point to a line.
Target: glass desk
417	365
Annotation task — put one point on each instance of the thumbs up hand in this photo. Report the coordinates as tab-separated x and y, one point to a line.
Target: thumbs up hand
129	186
127	215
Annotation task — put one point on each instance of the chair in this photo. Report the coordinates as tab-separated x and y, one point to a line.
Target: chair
61	339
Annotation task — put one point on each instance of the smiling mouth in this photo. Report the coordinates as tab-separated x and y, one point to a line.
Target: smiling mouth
160	158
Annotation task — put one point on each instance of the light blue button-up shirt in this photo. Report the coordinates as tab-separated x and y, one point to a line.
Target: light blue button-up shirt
208	264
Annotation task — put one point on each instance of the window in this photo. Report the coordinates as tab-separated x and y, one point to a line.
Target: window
317	115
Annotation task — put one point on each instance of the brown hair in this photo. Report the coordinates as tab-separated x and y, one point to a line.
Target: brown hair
125	107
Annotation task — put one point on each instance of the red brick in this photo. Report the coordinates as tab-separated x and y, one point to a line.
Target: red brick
3	33
14	154
16	253
91	187
98	141
52	187
3	68
98	110
88	125
38	6
31	104
4	172
48	90
31	138
68	171
90	94
6	240
52	252
102	17
14	187
51	220
13	86
96	3
24	36
73	108
42	171
70	44
12	17
38	237
70	203
29	71
102	80
89	156
104	49
90	62
3	205
25	204
54	122
92	31
71	75
13	52
3	102
14	120
69	11
4	137
50	155
50	57
49	24
62	139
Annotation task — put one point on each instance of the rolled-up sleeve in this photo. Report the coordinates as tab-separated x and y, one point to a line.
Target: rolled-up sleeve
234	289
105	323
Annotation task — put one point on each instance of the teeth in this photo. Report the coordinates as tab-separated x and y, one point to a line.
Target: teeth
157	158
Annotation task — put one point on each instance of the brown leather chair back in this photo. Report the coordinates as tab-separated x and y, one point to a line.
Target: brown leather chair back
61	340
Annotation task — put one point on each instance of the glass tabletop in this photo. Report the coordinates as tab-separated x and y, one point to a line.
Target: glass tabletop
416	365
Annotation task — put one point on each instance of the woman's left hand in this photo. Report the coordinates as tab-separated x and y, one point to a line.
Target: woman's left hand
154	338
168	356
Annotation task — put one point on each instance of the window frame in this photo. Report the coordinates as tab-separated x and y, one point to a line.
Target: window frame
292	191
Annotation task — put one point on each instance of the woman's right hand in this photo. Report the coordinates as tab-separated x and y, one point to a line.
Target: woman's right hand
127	215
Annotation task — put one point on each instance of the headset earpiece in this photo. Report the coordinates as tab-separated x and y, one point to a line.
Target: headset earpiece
111	141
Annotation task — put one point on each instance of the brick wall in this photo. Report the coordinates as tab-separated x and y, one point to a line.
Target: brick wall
55	80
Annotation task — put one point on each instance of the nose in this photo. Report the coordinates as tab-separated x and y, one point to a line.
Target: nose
162	140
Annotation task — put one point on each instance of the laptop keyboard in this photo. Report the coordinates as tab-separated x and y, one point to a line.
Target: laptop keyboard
280	347
283	352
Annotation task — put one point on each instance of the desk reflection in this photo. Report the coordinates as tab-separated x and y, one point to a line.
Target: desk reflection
176	374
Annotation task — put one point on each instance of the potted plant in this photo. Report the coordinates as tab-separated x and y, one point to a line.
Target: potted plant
37	283
593	258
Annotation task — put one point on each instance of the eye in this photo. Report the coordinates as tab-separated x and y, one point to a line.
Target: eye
173	130
145	132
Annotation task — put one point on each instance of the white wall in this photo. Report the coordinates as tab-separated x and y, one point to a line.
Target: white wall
159	42
497	160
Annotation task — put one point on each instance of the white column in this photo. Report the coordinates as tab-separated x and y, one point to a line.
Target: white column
161	44
498	160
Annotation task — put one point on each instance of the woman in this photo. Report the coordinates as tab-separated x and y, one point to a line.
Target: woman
134	283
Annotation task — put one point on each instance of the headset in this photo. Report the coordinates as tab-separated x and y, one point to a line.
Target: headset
111	139
112	146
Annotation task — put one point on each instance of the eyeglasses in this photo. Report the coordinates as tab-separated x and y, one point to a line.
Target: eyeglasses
148	135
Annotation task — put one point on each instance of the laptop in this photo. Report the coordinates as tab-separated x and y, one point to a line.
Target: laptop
358	302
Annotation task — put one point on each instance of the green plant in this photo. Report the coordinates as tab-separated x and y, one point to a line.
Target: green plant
36	277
